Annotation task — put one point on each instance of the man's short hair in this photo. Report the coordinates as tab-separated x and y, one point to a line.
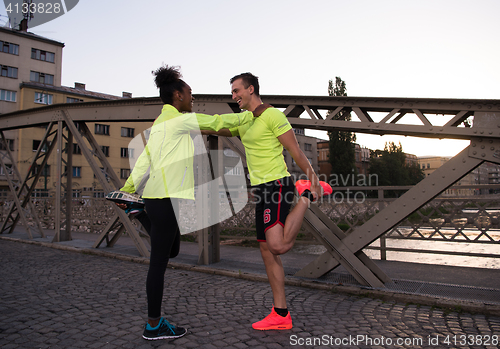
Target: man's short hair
248	79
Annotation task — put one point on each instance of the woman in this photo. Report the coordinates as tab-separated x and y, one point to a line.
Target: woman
168	160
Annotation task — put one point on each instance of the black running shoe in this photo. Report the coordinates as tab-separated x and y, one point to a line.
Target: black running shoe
134	202
164	330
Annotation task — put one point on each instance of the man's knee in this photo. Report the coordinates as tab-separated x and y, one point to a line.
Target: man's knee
275	242
276	247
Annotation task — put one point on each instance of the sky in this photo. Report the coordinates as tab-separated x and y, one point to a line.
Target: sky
384	48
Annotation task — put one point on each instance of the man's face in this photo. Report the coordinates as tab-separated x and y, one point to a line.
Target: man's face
187	99
240	94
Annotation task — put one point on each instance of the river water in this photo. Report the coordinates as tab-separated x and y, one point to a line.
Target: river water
429	258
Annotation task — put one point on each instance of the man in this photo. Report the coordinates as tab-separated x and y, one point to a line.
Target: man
277	228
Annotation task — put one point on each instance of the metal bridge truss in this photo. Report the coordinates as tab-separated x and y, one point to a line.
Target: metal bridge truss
431	118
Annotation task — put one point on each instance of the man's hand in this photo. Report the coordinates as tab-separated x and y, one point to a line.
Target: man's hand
122	206
260	109
316	191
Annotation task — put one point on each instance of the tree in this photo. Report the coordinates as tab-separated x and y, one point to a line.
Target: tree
391	168
341	144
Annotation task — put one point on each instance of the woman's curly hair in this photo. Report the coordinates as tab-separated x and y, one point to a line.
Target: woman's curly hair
168	80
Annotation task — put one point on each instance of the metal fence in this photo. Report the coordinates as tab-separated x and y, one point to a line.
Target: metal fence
473	219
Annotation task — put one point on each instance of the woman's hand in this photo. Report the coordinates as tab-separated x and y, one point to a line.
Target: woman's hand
260	109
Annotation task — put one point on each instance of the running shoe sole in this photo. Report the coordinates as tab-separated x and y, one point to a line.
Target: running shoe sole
122	197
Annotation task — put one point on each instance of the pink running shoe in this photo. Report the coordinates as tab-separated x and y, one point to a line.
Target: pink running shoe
302	185
274	322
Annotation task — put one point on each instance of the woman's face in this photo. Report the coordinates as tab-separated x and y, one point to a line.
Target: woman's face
187	99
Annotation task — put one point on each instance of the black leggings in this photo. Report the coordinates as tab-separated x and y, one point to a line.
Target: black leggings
164	229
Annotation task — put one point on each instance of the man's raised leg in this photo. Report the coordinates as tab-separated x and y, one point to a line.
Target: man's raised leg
281	239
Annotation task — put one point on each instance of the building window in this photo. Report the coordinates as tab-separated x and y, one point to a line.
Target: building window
428	165
98	194
105	150
42	78
43	98
127	153
9	72
307	147
73	100
127	132
45	171
9	168
10	144
8	47
233	171
77	149
40	193
9	96
42	55
104	173
77	171
101	129
124	173
36	144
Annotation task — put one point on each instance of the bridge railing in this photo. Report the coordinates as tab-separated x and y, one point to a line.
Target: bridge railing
452	217
463	214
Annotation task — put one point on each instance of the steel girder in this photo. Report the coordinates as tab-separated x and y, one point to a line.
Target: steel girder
103	176
63	190
370	115
22	190
19	191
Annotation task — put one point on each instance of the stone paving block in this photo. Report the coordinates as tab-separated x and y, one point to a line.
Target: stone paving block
87	301
10	346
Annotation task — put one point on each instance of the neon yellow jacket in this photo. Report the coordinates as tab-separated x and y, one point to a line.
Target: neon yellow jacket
168	155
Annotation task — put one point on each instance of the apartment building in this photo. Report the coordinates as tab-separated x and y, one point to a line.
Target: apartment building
31	68
361	155
486	173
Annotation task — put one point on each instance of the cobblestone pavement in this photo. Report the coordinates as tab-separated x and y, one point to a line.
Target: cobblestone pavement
51	298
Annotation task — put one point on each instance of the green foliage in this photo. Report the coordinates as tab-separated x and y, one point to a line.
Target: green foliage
341	144
391	168
343	226
429	212
188	238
